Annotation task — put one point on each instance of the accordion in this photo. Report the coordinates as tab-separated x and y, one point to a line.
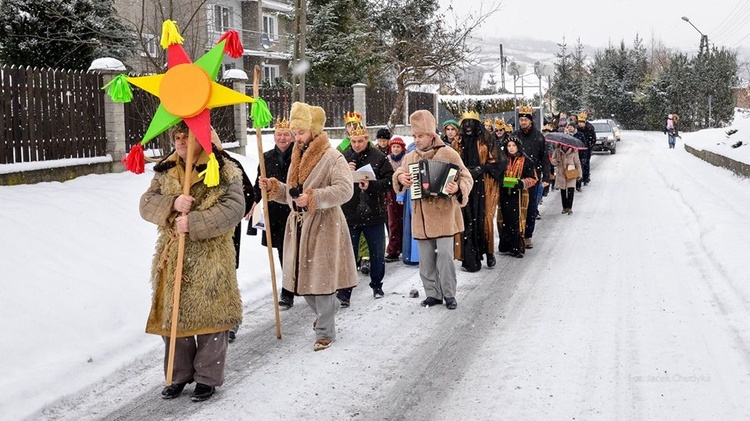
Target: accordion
430	177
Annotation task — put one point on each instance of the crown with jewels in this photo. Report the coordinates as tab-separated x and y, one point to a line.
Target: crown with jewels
359	130
282	124
352	117
470	115
499	123
526	109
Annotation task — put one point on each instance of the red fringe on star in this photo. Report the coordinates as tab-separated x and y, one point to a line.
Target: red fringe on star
233	48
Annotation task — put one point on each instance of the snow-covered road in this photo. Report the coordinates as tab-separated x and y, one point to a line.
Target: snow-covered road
637	306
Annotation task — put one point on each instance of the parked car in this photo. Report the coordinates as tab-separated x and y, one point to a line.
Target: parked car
617	126
606	140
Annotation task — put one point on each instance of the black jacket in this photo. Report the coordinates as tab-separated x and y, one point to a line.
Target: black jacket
590	134
368	207
277	166
532	145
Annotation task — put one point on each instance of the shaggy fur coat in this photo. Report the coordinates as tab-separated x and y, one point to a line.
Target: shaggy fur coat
210	300
318	253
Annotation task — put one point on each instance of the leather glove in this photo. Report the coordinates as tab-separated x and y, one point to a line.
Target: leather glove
520	185
475	172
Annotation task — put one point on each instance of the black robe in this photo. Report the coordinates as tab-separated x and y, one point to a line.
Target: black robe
511	237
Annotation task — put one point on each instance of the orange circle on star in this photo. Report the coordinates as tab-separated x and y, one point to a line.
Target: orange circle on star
185	90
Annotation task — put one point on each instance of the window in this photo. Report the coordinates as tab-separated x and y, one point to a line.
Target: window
270	27
270	73
222	18
149	42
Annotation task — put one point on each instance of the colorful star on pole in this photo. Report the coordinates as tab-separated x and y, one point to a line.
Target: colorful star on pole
188	92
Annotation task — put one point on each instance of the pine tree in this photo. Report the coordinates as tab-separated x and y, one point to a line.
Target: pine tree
61	33
340	44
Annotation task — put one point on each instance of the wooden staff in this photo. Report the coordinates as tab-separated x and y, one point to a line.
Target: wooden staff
262	161
180	260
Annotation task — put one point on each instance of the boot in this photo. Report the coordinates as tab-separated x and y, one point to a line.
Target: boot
202	392
172	391
491	260
365	269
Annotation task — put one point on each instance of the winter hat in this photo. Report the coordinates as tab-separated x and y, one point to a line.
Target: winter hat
397	141
423	122
453	123
383	134
300	116
318	119
515	140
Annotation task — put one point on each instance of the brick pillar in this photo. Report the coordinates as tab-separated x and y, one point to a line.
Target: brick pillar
360	100
114	121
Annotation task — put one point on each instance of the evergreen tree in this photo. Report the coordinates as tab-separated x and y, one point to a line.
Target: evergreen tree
562	89
340	44
61	33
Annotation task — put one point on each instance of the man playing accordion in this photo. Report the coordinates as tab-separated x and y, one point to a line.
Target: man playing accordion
435	219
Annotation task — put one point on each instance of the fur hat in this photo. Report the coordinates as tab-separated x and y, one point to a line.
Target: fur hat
318	119
423	122
397	141
383	134
300	116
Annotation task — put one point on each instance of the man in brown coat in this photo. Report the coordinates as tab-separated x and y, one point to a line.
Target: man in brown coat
435	220
210	302
318	253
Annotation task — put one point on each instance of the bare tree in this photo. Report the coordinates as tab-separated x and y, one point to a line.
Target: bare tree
419	47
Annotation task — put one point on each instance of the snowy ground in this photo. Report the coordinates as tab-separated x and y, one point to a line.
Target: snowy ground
635	307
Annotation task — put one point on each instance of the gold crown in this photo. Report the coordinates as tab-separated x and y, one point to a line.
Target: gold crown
282	124
352	117
582	116
488	122
526	109
508	127
359	130
499	123
470	115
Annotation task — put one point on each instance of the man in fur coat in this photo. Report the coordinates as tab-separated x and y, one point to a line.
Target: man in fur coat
210	302
435	220
318	253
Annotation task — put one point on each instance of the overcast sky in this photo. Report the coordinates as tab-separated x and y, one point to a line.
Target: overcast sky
726	22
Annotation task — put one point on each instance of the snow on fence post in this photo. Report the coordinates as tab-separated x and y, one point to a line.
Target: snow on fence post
407	111
360	100
114	112
238	78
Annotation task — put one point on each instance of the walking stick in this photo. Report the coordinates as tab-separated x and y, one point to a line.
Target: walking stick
262	161
180	261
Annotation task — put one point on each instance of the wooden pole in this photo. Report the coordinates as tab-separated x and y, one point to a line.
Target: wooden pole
256	81
180	262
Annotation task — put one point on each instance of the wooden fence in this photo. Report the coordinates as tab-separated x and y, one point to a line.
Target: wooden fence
50	114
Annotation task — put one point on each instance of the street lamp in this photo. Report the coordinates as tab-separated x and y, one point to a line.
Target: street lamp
704	37
703	48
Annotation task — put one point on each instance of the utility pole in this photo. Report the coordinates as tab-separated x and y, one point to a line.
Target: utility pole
502	68
300	28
